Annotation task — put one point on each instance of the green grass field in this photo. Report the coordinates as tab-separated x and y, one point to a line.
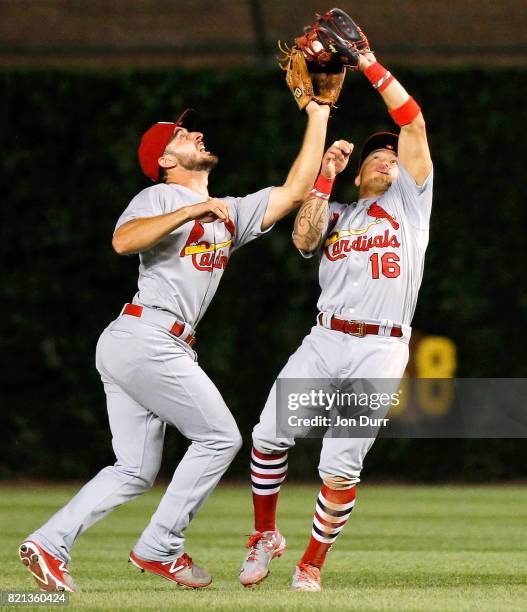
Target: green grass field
405	548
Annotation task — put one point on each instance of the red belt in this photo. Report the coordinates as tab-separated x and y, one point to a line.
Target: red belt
359	328
177	329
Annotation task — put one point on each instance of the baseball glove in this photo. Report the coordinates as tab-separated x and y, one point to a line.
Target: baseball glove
316	64
307	81
334	40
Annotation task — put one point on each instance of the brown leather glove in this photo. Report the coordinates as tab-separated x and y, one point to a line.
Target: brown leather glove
307	82
333	40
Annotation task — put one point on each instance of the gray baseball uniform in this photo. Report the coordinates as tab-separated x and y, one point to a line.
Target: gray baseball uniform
370	270
151	378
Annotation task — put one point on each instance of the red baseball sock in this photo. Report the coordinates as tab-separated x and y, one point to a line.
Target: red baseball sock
267	474
331	514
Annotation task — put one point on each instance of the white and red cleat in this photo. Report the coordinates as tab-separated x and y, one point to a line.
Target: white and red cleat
265	546
50	573
306	578
182	570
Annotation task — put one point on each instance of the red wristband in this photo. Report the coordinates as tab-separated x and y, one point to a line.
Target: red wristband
378	76
406	113
323	185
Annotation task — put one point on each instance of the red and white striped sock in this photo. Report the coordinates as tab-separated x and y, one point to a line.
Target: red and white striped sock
331	514
267	474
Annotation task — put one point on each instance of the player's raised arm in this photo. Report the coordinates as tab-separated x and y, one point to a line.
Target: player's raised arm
312	217
304	170
334	39
413	151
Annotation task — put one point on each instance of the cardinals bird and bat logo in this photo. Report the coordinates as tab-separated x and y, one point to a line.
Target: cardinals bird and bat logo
338	244
207	256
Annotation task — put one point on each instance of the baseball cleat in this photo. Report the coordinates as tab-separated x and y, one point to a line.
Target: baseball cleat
265	546
50	573
306	578
181	570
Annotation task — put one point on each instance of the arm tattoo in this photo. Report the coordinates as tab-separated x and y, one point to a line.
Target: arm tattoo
309	223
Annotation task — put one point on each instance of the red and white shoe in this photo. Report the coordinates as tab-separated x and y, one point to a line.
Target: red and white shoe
306	578
50	573
182	570
264	547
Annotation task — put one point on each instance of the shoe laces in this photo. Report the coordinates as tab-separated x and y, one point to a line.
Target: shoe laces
185	560
254	539
311	571
253	543
265	542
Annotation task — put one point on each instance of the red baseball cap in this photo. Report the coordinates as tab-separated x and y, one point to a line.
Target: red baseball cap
154	142
379	140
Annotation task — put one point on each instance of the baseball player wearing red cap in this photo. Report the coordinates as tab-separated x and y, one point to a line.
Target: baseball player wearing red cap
146	359
371	266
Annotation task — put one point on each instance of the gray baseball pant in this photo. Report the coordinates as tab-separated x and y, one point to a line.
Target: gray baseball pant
151	379
333	356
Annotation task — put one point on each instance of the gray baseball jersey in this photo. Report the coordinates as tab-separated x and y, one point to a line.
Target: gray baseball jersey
371	269
373	253
182	272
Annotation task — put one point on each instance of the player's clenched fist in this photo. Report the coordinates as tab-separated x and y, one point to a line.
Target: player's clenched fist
211	210
336	158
